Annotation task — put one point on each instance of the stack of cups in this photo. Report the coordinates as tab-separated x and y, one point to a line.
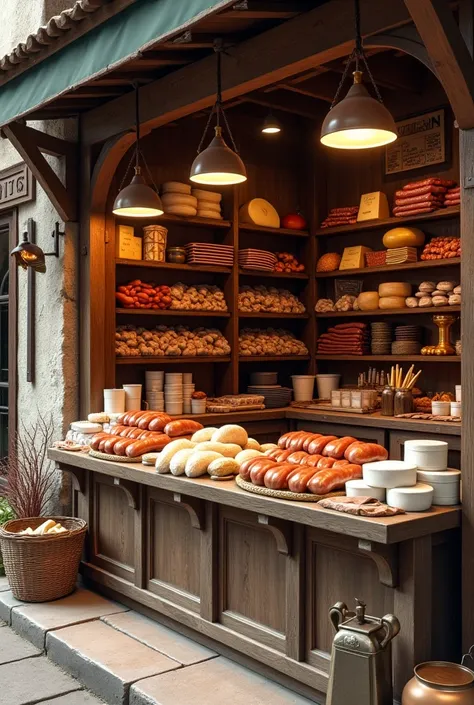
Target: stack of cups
154	390
133	396
188	389
174	393
114	401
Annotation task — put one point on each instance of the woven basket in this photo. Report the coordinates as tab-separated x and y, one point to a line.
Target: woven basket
42	568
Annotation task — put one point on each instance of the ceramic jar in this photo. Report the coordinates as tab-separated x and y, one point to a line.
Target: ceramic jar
440	683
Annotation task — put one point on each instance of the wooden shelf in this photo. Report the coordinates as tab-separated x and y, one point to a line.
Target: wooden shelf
261	274
144	360
148	264
392	358
440	214
193	221
170	312
428	264
393	312
263	314
271	358
249	228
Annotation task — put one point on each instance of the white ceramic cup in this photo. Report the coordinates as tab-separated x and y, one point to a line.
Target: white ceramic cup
327	384
458	392
198	406
114	401
440	408
303	386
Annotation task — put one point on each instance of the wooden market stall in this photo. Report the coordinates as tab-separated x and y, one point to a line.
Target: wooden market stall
255	576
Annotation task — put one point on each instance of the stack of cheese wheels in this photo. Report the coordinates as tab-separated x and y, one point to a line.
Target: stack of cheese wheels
177	199
208	203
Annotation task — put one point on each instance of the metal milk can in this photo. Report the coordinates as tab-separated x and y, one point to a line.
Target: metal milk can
361	659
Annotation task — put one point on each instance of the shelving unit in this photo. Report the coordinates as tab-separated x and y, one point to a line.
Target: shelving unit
413	266
171	360
388	223
171	312
430	310
393	358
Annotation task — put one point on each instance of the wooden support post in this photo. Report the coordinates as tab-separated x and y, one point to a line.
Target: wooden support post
209	568
30	144
412	606
442	37
295	604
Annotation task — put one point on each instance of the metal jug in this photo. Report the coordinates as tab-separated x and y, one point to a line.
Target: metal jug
361	659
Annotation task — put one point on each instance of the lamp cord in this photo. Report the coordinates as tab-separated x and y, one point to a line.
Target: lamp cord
217	107
358	56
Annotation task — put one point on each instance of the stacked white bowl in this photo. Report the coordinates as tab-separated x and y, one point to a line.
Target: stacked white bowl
413	484
154	390
174	393
188	389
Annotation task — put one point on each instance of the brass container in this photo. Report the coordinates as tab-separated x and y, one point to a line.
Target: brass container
444	323
361	668
176	255
440	683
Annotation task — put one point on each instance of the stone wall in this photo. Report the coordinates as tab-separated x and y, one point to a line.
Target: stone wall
55	390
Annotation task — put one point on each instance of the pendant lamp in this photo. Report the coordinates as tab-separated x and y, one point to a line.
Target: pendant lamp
271	125
218	164
358	121
137	200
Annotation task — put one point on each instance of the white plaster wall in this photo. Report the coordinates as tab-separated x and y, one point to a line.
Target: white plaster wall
55	390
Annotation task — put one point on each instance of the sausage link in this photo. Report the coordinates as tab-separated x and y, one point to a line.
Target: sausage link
122	444
150	445
365	453
337	448
317	446
159	422
309	438
298	458
277	478
331	479
96	439
245	468
298	482
257	473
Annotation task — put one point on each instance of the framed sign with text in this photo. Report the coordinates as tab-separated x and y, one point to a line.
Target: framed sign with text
421	143
17	185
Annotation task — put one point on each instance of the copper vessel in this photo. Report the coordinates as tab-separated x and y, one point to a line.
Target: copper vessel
440	683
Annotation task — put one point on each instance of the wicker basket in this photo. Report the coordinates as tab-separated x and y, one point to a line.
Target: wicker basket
42	568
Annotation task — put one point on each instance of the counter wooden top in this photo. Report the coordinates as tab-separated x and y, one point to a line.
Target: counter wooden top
375	419
381	530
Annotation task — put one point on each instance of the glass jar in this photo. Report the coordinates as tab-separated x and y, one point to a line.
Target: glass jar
176	255
388	396
403	402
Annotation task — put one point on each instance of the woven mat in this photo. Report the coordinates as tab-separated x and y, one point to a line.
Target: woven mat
114	458
284	494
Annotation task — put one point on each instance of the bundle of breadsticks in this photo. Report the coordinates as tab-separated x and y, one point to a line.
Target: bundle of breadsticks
420	197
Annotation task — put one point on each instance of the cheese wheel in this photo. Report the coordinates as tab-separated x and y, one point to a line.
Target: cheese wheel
403	237
208	206
395	289
178	199
258	211
209	214
203	195
175	187
180	210
368	301
388	302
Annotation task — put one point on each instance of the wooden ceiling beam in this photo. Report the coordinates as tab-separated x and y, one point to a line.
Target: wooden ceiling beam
300	44
30	144
297	104
446	46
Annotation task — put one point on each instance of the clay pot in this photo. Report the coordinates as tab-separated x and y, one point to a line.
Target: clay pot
440	683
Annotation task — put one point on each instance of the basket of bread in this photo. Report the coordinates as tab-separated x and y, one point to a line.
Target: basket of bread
41	556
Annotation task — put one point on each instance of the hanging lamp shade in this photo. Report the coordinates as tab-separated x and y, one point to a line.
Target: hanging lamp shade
27	254
271	125
358	121
218	165
138	200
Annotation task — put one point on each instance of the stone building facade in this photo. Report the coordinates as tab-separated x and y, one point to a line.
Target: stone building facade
54	391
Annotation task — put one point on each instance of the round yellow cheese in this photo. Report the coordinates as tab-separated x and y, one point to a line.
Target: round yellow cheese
179	199
258	211
388	302
395	289
175	187
403	237
368	301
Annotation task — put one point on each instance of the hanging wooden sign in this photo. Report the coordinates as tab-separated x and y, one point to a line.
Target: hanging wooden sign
17	185
421	142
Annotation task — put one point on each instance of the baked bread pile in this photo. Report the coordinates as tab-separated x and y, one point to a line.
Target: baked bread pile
199	297
270	341
253	299
169	341
444	293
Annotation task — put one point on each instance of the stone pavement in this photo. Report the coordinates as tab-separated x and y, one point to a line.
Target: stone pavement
54	653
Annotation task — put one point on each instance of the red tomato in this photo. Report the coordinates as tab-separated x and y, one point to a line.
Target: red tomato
294	221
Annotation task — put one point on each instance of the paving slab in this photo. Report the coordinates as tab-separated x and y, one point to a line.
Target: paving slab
14	648
160	638
33	621
7	602
4	584
105	660
81	697
214	682
32	681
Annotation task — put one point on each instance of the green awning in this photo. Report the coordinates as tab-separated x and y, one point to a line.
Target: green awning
100	50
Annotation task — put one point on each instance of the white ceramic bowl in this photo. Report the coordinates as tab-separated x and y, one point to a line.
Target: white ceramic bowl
440	408
359	488
198	406
417	498
389	473
175	408
427	454
455	408
446	485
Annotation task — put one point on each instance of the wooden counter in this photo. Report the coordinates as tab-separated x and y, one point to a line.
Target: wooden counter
256	576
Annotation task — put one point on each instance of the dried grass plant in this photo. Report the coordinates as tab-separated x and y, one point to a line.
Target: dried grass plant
31	477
